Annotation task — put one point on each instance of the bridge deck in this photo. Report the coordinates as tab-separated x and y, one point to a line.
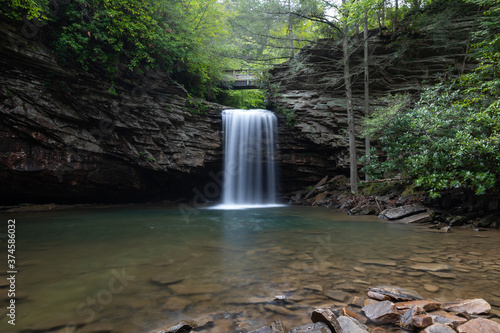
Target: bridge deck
241	79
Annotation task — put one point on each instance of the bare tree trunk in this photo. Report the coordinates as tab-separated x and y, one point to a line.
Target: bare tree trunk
367	89
290	28
383	13
350	117
396	7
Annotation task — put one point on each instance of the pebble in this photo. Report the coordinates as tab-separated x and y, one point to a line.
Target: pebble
431	288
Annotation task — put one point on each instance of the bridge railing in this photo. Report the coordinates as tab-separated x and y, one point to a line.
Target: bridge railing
241	79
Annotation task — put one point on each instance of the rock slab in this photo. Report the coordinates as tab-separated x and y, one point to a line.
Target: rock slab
439	328
479	325
396	293
318	327
351	325
401	212
407	318
328	317
470	306
384	312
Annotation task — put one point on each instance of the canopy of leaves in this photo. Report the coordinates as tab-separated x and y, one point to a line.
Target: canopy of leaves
184	38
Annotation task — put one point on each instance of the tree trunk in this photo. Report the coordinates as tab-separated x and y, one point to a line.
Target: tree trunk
383	13
290	29
396	8
367	90
350	117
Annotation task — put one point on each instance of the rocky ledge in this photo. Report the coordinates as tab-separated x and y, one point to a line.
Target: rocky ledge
69	135
382	310
392	201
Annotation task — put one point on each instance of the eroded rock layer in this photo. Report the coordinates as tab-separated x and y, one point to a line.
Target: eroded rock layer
66	136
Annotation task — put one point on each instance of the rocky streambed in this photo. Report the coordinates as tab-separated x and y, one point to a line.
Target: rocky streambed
391	200
382	309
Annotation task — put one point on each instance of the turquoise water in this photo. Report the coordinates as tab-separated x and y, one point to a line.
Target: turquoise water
136	269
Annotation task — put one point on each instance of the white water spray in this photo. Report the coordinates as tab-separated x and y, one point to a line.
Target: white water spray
250	177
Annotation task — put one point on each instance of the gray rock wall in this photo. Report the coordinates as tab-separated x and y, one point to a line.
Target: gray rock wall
65	137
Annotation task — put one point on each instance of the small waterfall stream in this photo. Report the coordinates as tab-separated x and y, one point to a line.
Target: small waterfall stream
250	177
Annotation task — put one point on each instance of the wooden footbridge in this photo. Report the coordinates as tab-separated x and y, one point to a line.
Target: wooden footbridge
241	79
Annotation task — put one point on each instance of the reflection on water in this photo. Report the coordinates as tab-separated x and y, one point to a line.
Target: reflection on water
138	269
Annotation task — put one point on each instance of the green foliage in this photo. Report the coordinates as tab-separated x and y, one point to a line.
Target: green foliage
290	115
442	143
188	39
242	99
105	31
18	9
372	165
382	116
197	106
451	137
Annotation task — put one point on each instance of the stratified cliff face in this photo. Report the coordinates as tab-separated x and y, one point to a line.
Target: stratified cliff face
312	87
65	137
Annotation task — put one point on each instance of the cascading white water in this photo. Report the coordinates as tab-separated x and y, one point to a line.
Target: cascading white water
250	178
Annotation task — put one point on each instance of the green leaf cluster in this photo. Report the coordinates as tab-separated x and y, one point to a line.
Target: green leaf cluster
19	9
186	38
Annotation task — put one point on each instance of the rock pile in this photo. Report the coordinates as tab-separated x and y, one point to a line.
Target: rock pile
389	201
385	309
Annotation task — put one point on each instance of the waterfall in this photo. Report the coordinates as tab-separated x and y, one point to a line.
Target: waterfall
250	177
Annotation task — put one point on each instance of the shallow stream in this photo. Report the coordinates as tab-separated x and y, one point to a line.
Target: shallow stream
139	268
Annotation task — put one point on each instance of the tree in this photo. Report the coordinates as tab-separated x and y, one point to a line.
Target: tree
367	86
353	160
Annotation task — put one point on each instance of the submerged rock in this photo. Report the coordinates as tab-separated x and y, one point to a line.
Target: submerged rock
189	289
337	295
181	327
279	309
165	279
430	267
